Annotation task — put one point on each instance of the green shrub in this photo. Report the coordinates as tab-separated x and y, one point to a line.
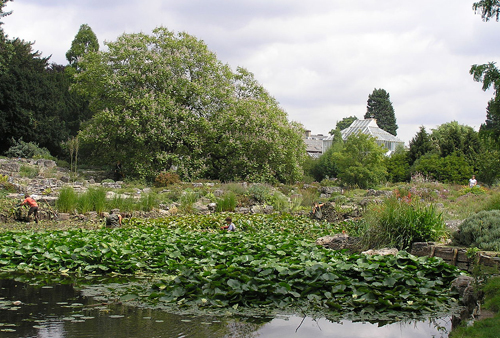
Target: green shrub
492	294
474	190
480	230
237	188
165	179
279	201
493	202
259	192
28	171
27	150
399	222
67	200
227	202
450	169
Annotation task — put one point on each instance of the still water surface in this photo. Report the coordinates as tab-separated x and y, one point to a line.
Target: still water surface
60	310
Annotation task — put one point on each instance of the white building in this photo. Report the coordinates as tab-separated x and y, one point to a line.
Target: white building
318	144
370	127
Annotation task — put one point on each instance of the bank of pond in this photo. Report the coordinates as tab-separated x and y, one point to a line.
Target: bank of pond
189	267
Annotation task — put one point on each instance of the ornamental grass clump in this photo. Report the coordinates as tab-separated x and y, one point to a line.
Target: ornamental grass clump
400	221
480	230
94	199
67	200
227	202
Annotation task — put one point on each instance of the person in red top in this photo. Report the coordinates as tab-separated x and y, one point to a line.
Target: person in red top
33	207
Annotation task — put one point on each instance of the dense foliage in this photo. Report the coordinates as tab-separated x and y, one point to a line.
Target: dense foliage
84	42
379	107
164	101
35	102
480	230
360	162
271	263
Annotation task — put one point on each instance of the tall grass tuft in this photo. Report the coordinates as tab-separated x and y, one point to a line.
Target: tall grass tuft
94	199
67	200
98	196
227	202
148	201
126	204
400	221
187	200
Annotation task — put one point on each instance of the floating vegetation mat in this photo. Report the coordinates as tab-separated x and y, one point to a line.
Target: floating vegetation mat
271	267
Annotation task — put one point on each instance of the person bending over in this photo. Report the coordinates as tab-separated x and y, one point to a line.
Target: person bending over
33	207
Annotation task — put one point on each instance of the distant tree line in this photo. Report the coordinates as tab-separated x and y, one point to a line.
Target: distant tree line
163	102
156	103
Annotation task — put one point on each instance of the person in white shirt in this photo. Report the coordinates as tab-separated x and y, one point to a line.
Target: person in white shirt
472	182
230	225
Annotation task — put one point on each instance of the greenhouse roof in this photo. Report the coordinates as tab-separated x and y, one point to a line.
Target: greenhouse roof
369	127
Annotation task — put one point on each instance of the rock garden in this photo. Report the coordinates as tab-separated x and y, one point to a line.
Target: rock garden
366	255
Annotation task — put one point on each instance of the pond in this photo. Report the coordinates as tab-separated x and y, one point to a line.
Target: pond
49	309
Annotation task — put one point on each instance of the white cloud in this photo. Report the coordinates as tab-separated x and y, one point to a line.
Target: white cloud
320	59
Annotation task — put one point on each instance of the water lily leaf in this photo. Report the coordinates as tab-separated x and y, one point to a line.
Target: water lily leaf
127	297
389	281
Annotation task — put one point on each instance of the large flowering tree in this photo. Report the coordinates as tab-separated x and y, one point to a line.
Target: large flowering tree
164	100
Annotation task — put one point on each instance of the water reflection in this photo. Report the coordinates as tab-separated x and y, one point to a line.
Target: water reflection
58	310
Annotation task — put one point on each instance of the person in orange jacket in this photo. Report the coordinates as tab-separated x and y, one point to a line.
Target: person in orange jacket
33	207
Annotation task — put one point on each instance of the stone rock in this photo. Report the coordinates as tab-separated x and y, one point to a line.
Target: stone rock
11	166
268	209
65	178
469	298
339	242
330	190
63	216
45	163
201	208
331	213
92	215
382	252
212	206
372	192
197	185
218	192
256	209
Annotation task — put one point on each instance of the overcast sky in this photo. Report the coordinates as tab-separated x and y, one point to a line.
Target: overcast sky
319	58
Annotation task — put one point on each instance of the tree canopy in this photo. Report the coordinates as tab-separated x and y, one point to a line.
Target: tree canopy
360	163
379	107
163	101
488	9
84	42
344	123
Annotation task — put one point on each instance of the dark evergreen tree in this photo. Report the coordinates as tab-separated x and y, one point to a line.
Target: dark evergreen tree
35	102
491	127
3	3
379	107
419	145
